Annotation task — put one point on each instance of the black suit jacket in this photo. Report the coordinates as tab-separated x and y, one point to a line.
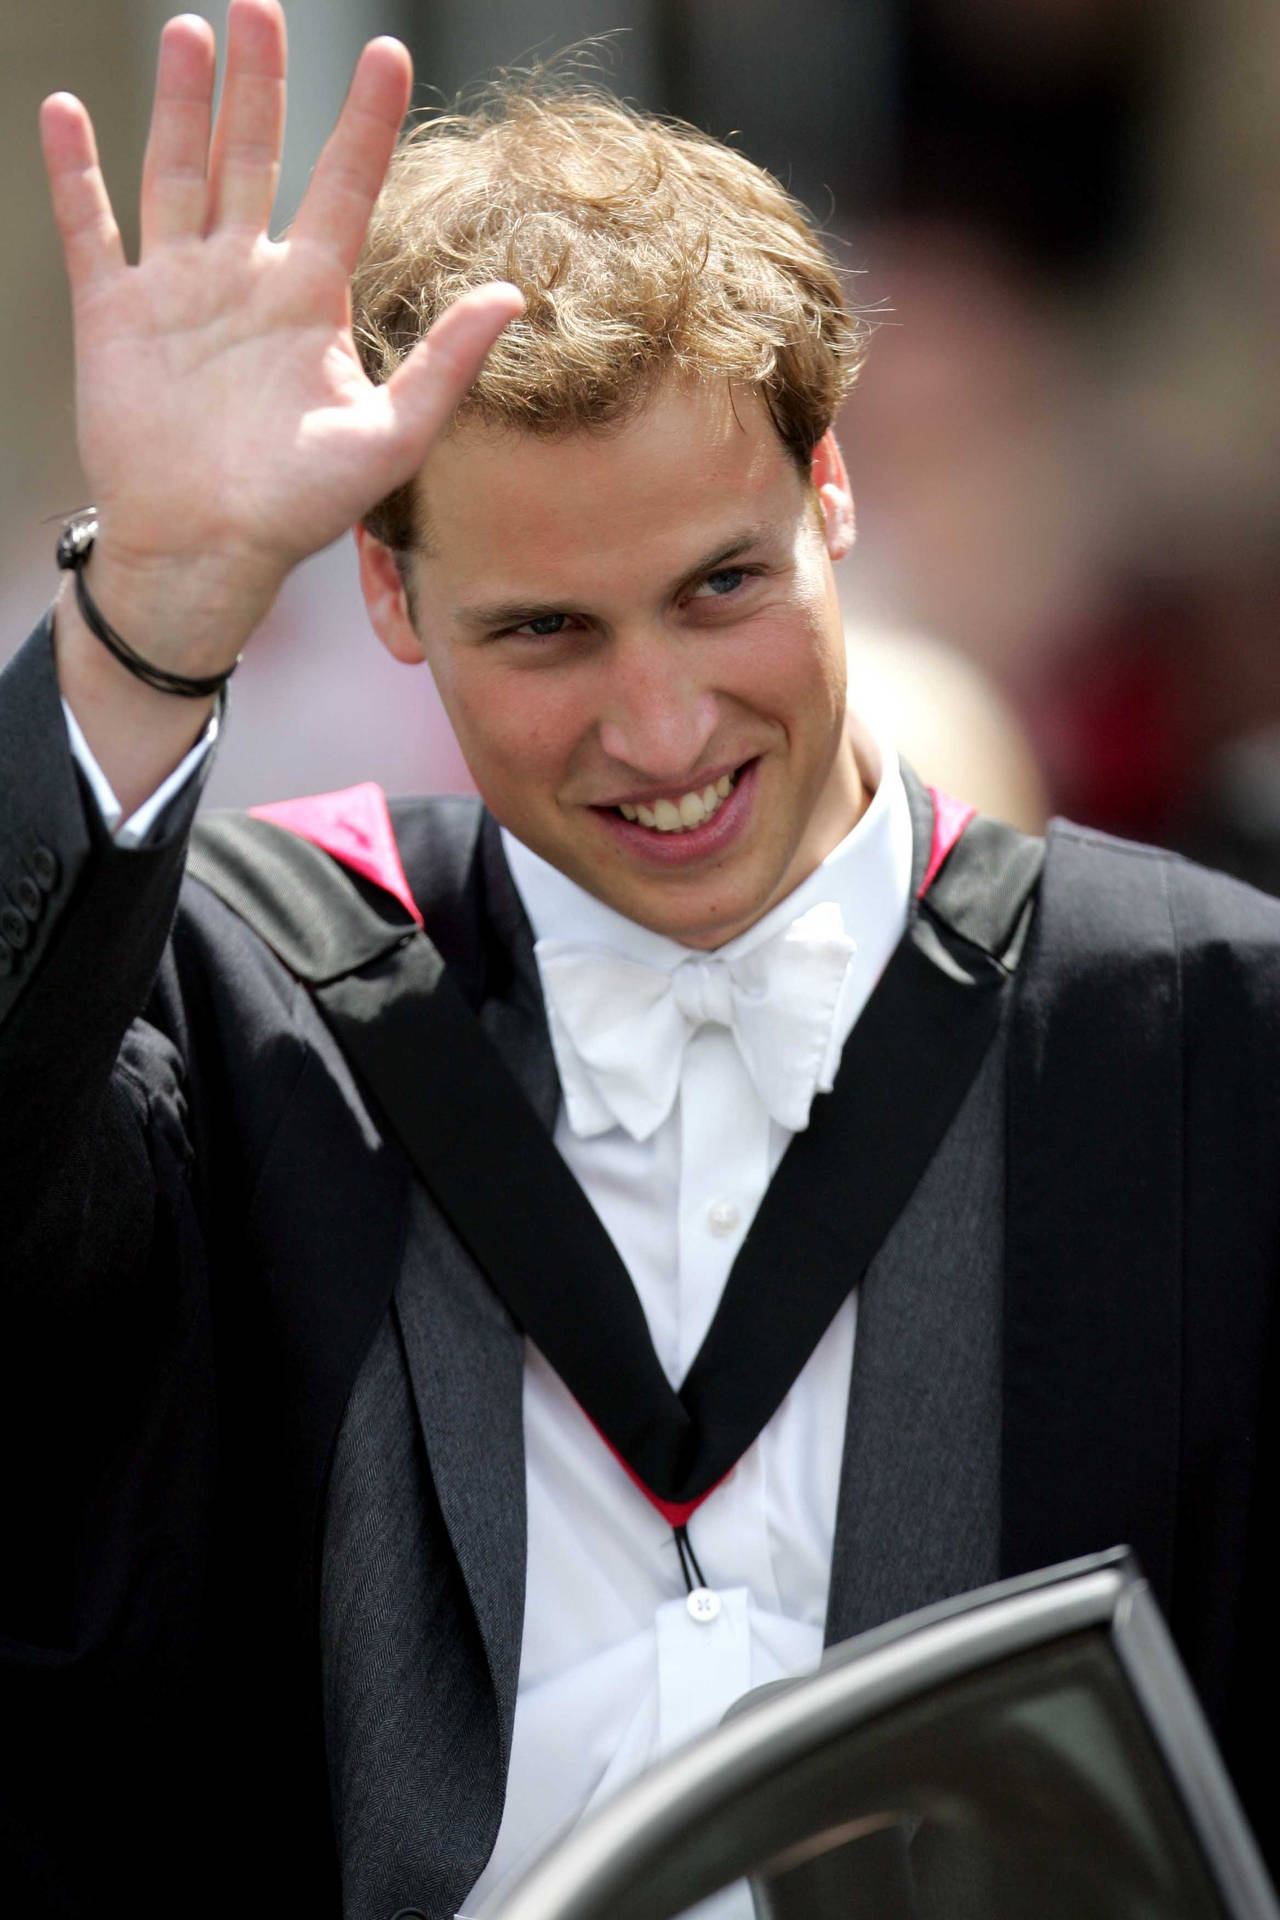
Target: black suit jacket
203	1231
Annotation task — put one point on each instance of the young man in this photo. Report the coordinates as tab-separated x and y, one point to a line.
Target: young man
339	1582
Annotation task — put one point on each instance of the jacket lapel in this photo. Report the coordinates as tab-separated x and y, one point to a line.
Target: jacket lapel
418	1551
917	1518
917	1515
464	1352
466	1364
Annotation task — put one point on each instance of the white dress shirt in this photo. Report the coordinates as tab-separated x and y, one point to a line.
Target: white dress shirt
615	1669
615	1672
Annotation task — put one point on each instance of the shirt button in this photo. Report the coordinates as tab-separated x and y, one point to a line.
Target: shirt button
703	1606
722	1217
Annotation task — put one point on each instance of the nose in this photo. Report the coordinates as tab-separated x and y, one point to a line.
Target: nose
656	716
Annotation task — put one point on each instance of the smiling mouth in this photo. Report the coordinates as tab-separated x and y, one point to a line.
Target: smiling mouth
681	813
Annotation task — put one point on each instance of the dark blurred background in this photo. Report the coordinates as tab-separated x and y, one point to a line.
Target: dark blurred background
1066	216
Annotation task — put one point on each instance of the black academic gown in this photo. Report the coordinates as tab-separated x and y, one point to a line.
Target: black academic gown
204	1229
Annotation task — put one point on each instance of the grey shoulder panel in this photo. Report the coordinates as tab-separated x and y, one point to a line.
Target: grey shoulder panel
319	920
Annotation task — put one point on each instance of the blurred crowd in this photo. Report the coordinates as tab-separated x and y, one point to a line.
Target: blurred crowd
1067	449
1064	216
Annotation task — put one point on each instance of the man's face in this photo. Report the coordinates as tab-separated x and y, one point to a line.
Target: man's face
636	637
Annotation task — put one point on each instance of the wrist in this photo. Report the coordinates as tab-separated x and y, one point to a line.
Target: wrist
187	616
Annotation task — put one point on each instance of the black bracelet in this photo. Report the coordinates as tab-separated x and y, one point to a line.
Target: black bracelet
75	544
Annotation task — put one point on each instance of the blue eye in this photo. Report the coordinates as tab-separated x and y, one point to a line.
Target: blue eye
726	580
545	625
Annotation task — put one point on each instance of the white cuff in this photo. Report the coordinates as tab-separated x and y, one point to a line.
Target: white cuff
131	832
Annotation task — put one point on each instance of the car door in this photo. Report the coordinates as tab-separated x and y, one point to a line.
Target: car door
1029	1752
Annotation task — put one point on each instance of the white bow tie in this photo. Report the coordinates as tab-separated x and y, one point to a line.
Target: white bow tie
619	1026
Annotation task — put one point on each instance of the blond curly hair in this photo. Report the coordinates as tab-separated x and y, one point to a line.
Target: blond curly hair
641	246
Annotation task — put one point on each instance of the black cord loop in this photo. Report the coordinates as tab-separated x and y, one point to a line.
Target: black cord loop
75	544
693	1575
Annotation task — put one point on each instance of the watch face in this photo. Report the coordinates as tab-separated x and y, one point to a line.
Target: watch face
1033	1752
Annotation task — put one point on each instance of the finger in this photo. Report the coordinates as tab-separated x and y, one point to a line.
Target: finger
349	173
174	176
91	241
426	389
245	163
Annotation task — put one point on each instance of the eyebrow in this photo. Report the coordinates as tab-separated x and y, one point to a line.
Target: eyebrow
511	613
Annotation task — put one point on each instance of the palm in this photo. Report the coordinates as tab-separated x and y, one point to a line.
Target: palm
235	368
222	409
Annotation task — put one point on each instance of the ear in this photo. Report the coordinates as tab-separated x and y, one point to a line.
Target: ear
834	495
386	599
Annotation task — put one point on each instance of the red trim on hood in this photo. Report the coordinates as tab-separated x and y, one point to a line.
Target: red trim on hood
675	1512
355	827
950	818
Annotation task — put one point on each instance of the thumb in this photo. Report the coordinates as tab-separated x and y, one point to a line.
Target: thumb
425	390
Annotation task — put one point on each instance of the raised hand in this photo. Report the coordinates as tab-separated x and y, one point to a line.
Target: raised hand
226	427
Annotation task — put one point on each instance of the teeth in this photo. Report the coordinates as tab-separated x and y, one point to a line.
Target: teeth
678	816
